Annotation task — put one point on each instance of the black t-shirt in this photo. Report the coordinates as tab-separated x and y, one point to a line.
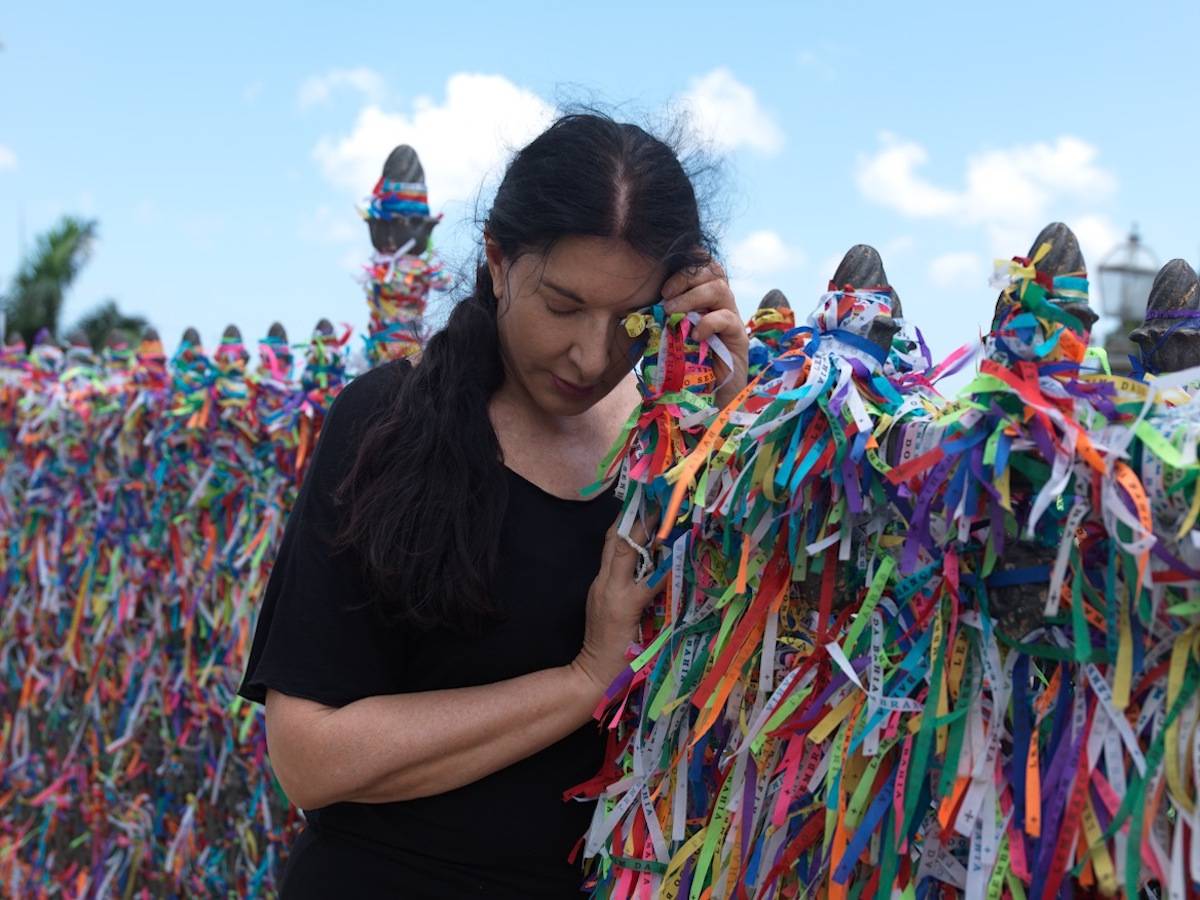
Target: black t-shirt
506	835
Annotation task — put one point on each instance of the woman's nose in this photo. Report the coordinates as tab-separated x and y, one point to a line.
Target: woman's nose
590	351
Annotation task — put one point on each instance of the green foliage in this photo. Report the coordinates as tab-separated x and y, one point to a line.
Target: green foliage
107	321
35	298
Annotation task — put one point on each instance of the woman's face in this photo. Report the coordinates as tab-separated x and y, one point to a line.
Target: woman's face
560	318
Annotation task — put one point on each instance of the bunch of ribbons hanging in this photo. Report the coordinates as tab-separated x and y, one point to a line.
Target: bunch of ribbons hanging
905	643
140	504
768	329
397	199
397	284
397	288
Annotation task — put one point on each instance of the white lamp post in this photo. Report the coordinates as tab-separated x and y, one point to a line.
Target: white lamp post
1126	274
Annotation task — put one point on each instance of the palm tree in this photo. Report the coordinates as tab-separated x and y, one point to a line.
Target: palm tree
107	321
35	299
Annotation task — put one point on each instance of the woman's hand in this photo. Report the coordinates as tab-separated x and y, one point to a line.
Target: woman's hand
614	609
706	291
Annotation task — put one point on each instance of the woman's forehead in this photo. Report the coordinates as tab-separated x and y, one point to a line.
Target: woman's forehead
600	271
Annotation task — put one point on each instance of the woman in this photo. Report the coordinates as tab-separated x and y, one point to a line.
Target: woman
445	613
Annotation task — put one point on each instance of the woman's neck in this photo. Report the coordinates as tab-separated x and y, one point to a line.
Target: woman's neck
515	409
558	453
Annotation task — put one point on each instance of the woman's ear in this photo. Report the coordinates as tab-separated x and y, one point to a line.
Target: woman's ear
494	257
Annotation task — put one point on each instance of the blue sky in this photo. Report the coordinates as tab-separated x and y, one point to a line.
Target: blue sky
223	147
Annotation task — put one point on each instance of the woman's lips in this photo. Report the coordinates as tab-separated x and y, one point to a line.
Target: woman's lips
572	390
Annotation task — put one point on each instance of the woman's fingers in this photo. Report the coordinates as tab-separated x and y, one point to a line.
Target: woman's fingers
706	290
611	539
623	562
686	280
642	532
704	297
620	557
723	322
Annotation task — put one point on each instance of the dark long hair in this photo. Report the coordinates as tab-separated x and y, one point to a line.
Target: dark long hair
424	501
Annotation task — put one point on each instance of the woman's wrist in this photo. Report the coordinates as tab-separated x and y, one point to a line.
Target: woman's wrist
588	682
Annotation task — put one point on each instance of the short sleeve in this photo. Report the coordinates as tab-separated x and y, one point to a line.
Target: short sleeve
318	636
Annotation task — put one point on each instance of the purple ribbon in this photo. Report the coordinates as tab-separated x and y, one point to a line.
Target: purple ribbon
1174	562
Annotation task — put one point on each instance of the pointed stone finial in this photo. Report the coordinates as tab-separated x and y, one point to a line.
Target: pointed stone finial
862	268
1018	608
1169	337
79	348
150	348
1065	258
231	352
767	328
275	354
403	164
774	299
324	328
390	229
191	336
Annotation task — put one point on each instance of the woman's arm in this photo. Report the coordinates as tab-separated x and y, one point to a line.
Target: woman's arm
403	746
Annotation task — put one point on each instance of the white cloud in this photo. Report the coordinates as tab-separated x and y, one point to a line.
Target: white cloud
763	253
958	270
760	261
1021	183
461	140
319	88
1097	236
1008	186
1010	193
465	136
727	113
889	179
8	159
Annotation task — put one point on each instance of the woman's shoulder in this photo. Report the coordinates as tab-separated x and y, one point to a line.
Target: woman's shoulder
370	392
364	400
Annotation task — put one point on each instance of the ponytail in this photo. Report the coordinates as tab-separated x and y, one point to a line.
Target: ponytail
425	498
